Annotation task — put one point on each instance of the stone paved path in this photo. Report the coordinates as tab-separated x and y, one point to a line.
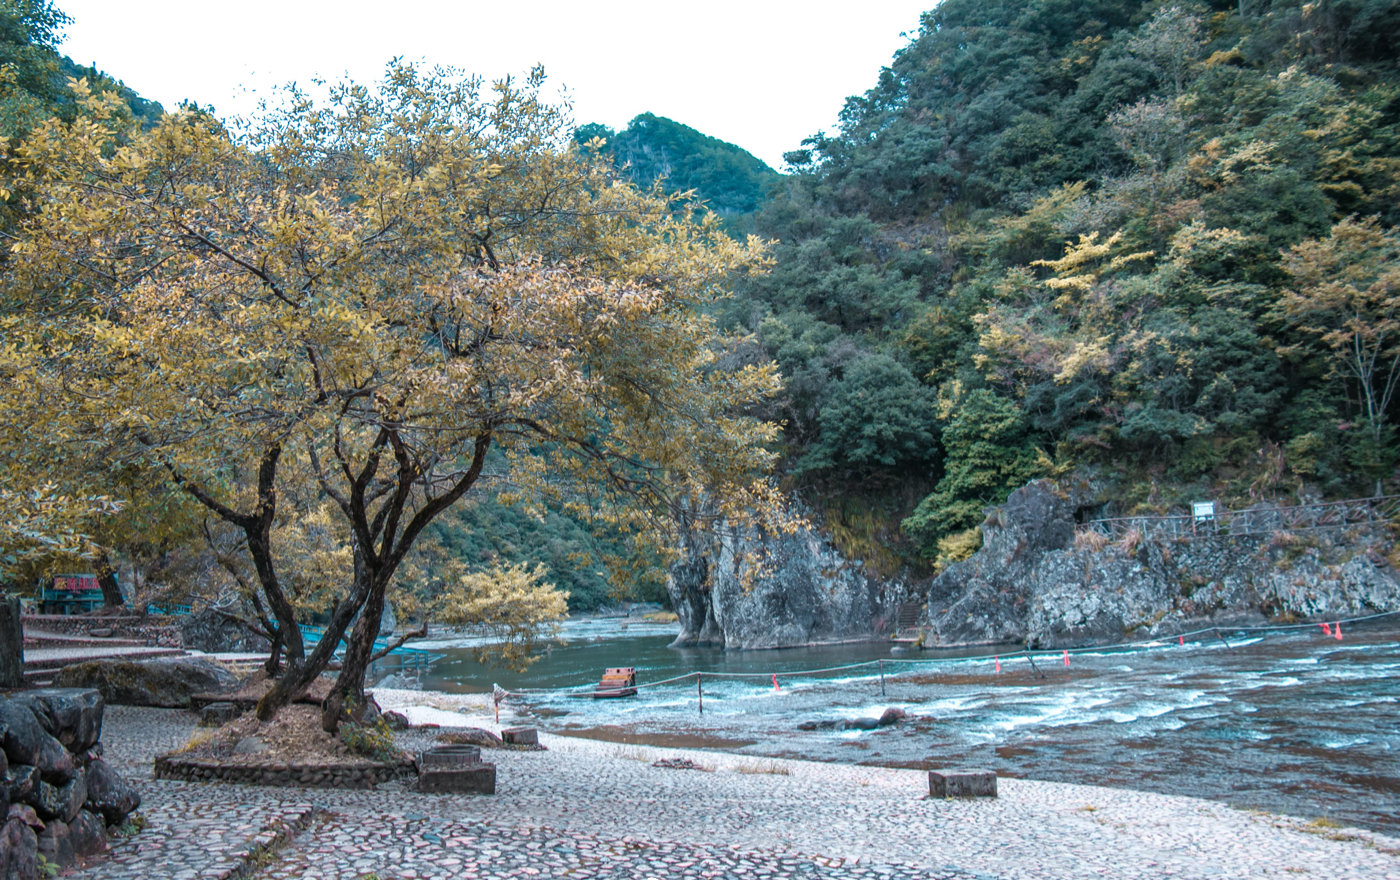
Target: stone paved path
585	809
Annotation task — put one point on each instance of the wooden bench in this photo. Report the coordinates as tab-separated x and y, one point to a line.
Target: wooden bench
618	682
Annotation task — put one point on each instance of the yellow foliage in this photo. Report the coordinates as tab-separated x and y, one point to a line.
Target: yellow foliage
329	323
958	546
512	603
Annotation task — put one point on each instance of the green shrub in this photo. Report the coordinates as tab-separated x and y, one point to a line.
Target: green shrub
371	739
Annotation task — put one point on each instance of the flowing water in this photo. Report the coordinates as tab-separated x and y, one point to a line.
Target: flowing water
1294	723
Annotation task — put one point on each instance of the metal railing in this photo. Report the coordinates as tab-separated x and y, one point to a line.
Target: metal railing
1252	520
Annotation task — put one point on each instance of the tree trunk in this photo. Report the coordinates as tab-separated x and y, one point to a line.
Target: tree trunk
300	674
107	580
11	643
347	697
274	656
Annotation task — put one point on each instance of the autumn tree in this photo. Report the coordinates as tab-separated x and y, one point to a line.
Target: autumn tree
1346	297
382	294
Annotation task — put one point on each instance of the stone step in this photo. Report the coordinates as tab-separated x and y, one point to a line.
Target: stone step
61	640
50	659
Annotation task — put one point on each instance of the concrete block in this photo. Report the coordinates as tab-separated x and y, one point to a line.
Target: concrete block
217	713
461	779
962	783
448	757
520	736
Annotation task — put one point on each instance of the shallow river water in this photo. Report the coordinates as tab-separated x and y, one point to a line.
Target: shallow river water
1295	723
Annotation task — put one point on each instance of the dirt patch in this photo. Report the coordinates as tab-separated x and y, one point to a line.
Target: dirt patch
293	737
614	734
256	686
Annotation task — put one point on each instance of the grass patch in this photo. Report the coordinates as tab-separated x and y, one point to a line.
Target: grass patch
197	739
770	768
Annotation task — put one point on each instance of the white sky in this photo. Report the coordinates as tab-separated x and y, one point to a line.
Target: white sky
763	74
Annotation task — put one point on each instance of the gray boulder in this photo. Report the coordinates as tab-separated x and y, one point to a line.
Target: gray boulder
26	742
166	683
73	716
19	850
396	720
87	834
48	801
108	794
21	780
55	844
73	795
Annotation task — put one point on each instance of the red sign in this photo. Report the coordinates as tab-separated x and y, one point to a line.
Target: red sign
75	583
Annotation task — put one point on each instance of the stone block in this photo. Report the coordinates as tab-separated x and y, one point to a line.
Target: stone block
215	714
520	736
448	757
962	783
461	779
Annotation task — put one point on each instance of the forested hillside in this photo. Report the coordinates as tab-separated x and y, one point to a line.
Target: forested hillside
1152	244
34	76
729	180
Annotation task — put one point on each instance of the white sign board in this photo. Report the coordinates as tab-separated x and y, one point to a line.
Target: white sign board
1202	511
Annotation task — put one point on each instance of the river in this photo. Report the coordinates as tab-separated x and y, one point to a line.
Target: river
1296	723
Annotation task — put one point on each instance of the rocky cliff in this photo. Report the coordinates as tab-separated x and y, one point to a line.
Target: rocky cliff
1034	582
750	591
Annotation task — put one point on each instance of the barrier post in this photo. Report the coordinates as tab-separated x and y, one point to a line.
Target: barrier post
700	691
882	678
1033	666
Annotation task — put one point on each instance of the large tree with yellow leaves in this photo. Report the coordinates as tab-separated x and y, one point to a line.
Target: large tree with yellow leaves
384	295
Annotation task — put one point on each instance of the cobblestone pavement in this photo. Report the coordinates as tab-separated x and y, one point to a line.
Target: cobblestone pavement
585	809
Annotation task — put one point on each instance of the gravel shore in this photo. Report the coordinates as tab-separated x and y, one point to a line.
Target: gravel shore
584	809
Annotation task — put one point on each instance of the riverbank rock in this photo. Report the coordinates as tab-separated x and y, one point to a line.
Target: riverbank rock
892	715
1033	582
56	804
804	591
164	683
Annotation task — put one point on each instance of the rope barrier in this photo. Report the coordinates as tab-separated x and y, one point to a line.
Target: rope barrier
587	691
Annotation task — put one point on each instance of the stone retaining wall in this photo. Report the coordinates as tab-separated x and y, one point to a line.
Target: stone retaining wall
57	796
156	630
365	775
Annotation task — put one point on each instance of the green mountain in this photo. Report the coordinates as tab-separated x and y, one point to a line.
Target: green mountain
728	179
34	76
1105	238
